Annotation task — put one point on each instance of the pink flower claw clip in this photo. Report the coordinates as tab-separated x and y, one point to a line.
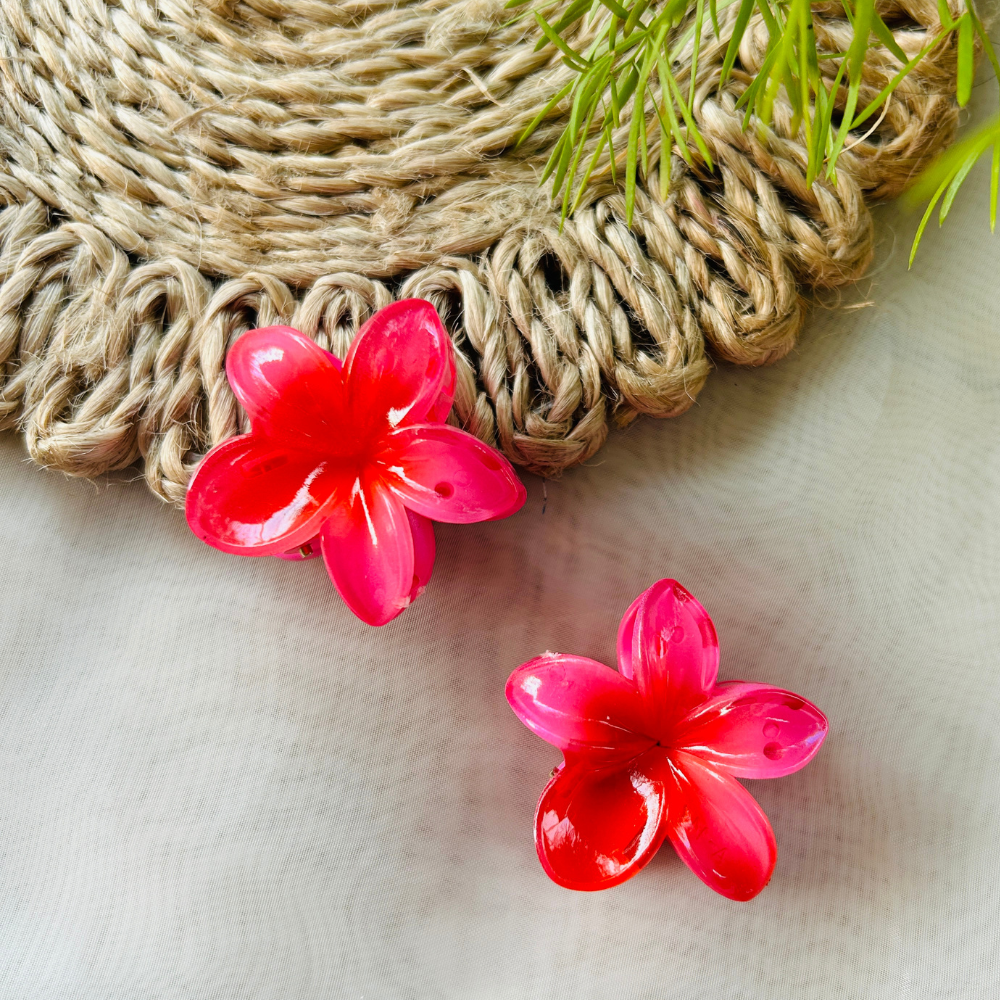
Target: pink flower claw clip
653	750
351	462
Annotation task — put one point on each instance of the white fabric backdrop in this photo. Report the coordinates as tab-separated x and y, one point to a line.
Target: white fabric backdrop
215	783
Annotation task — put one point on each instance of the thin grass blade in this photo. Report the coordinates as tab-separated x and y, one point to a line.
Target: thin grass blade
886	37
924	220
739	29
956	183
966	68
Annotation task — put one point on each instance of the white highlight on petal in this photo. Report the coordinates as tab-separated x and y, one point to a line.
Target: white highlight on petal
265	356
357	491
531	685
396	414
279	520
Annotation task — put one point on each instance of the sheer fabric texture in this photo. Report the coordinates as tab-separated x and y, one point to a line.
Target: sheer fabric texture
216	783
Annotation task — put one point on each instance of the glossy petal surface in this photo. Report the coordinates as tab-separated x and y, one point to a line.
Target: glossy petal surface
448	475
252	497
580	706
675	653
368	548
312	477
424	549
625	633
660	730
399	365
718	829
441	407
753	730
290	387
595	829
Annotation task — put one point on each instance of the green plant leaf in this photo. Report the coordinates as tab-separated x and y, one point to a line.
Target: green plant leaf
631	157
671	124
883	94
574	166
739	29
616	8
923	222
956	183
553	159
611	70
886	37
987	43
562	165
845	126
863	15
573	14
966	68
633	19
945	176
592	163
699	17
537	120
639	120
666	156
572	57
770	18
643	145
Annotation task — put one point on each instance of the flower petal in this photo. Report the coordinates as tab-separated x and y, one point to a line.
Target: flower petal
753	730
718	829
290	387
580	706
399	364
367	544
255	498
441	407
448	475
675	653
424	549
625	632
595	829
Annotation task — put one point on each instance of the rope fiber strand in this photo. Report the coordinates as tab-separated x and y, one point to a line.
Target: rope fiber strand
175	172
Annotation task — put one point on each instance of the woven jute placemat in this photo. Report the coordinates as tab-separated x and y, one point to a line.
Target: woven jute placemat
176	172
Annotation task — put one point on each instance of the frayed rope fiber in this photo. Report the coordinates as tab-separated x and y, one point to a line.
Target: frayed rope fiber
176	172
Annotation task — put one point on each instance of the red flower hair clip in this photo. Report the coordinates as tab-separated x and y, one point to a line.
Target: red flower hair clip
353	461
653	750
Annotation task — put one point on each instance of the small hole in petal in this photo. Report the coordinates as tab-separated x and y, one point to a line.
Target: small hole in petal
770	729
305	551
772	751
677	634
795	704
444	490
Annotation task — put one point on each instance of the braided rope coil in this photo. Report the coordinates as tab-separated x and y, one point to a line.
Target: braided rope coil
174	173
